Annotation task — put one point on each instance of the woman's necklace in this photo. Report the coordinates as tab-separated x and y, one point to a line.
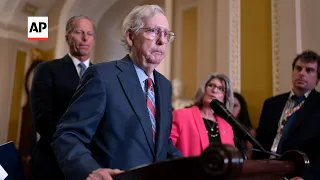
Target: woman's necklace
214	131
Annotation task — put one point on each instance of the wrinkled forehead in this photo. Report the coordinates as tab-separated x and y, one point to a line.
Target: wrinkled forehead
83	23
157	21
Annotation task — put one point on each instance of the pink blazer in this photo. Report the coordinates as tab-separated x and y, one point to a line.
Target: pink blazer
189	132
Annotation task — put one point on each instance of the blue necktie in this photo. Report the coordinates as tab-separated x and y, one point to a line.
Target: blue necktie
82	69
290	120
298	100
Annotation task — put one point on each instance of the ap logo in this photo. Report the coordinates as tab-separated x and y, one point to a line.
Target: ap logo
38	28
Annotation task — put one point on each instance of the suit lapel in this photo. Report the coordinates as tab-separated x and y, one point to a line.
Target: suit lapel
131	86
304	111
201	127
275	111
70	70
301	115
160	112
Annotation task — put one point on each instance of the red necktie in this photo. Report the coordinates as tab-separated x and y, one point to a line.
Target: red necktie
151	106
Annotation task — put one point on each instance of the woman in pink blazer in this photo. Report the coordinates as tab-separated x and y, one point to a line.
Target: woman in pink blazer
195	128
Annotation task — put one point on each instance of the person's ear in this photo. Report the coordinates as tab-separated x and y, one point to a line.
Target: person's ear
67	38
129	37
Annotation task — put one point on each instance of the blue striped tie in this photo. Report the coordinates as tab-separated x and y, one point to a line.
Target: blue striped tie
82	69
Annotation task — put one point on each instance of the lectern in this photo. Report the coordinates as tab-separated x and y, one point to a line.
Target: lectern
220	163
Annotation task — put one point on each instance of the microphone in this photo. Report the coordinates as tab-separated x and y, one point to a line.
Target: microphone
220	109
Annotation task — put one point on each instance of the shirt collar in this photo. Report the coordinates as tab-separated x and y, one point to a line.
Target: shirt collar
77	61
142	75
305	94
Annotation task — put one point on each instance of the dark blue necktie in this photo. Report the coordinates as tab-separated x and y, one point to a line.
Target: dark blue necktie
290	121
298	100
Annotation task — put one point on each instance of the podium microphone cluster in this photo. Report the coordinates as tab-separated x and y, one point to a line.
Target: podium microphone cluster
239	129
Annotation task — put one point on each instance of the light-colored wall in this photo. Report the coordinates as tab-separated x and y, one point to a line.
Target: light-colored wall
295	29
189	48
53	18
207	59
207	40
5	91
310	26
223	33
285	47
108	46
8	49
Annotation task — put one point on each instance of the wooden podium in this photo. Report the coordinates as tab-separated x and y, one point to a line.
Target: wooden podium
220	163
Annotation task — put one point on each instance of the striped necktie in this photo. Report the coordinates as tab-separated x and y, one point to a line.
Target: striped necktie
151	106
82	69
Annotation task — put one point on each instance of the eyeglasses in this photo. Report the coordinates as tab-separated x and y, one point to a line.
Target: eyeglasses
152	33
220	89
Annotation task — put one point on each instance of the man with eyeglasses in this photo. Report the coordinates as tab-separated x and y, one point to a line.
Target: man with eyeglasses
120	116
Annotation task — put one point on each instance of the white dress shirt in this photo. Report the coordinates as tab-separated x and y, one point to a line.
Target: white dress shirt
76	62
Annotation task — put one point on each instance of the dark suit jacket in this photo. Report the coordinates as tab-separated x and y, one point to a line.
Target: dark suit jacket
107	124
53	85
303	134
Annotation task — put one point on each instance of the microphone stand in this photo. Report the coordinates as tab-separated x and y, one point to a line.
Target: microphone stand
242	149
238	128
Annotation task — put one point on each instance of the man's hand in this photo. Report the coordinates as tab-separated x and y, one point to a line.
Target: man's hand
26	159
103	174
296	178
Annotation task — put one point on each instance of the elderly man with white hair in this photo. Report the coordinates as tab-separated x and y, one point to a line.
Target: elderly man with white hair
120	116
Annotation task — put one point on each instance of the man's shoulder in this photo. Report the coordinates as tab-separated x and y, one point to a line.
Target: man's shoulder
108	69
111	64
279	97
186	115
187	110
53	63
162	78
314	94
104	67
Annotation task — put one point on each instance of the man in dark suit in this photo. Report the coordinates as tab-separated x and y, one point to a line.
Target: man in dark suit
120	115
290	121
53	85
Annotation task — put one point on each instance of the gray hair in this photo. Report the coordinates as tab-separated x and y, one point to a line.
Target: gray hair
134	20
229	99
70	25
